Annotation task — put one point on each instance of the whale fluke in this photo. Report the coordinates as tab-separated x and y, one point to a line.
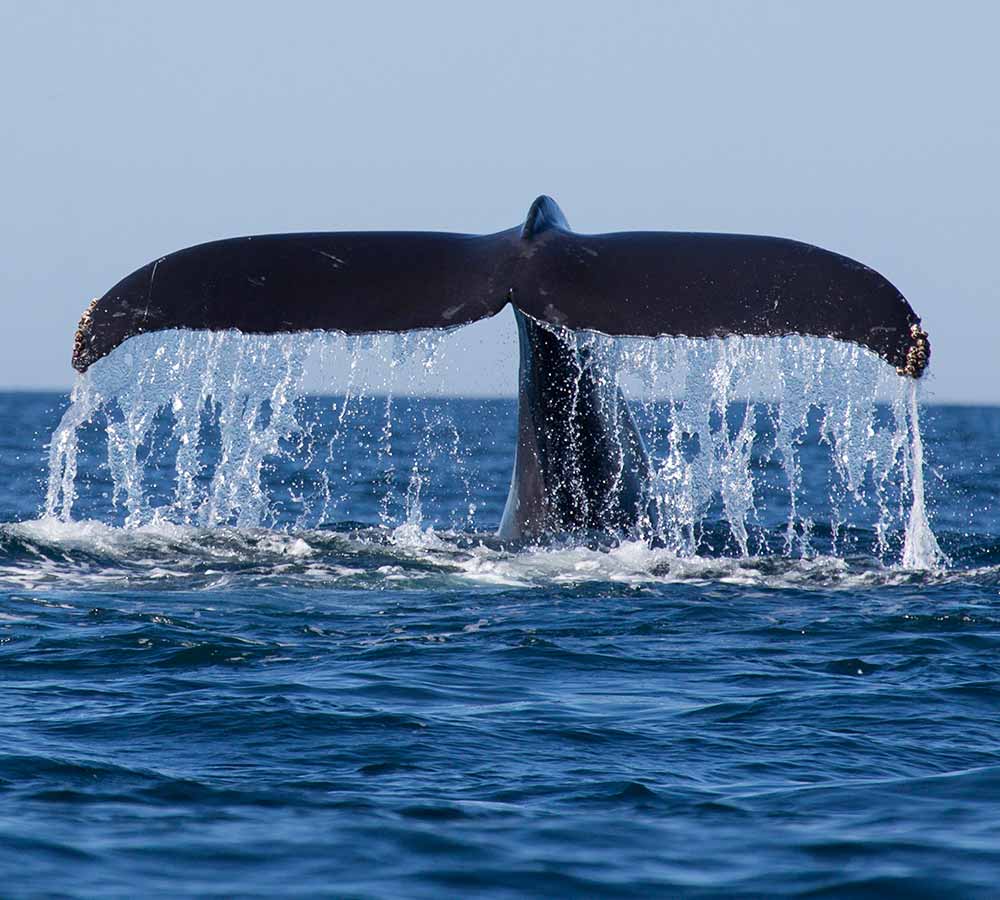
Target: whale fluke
580	463
630	283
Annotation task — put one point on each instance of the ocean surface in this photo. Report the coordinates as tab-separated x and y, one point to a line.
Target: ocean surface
370	696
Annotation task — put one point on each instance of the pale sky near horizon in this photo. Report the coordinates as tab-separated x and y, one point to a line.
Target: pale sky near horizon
129	130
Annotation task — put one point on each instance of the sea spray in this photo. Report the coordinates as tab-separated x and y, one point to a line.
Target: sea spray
728	424
920	547
247	384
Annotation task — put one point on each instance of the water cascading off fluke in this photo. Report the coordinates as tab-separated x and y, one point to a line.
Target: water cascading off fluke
758	446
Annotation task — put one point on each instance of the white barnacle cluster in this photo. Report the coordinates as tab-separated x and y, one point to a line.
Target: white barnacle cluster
83	330
917	354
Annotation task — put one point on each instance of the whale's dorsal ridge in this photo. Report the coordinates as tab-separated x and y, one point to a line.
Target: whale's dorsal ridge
543	215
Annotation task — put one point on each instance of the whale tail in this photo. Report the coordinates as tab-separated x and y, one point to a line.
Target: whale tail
580	462
631	283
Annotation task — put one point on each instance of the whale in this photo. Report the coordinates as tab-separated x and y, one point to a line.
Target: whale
580	463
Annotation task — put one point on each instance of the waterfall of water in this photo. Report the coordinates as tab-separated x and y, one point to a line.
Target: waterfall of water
721	393
727	423
920	548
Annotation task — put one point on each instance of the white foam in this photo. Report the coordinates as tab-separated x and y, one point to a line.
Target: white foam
225	559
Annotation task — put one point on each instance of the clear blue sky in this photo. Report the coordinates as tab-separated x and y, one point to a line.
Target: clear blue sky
133	129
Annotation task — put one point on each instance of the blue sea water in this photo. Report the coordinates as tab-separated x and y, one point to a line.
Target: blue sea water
368	702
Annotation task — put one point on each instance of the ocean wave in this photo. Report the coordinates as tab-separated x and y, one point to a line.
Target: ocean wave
50	553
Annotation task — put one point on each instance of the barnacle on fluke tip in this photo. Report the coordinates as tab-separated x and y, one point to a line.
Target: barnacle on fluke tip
82	356
918	354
